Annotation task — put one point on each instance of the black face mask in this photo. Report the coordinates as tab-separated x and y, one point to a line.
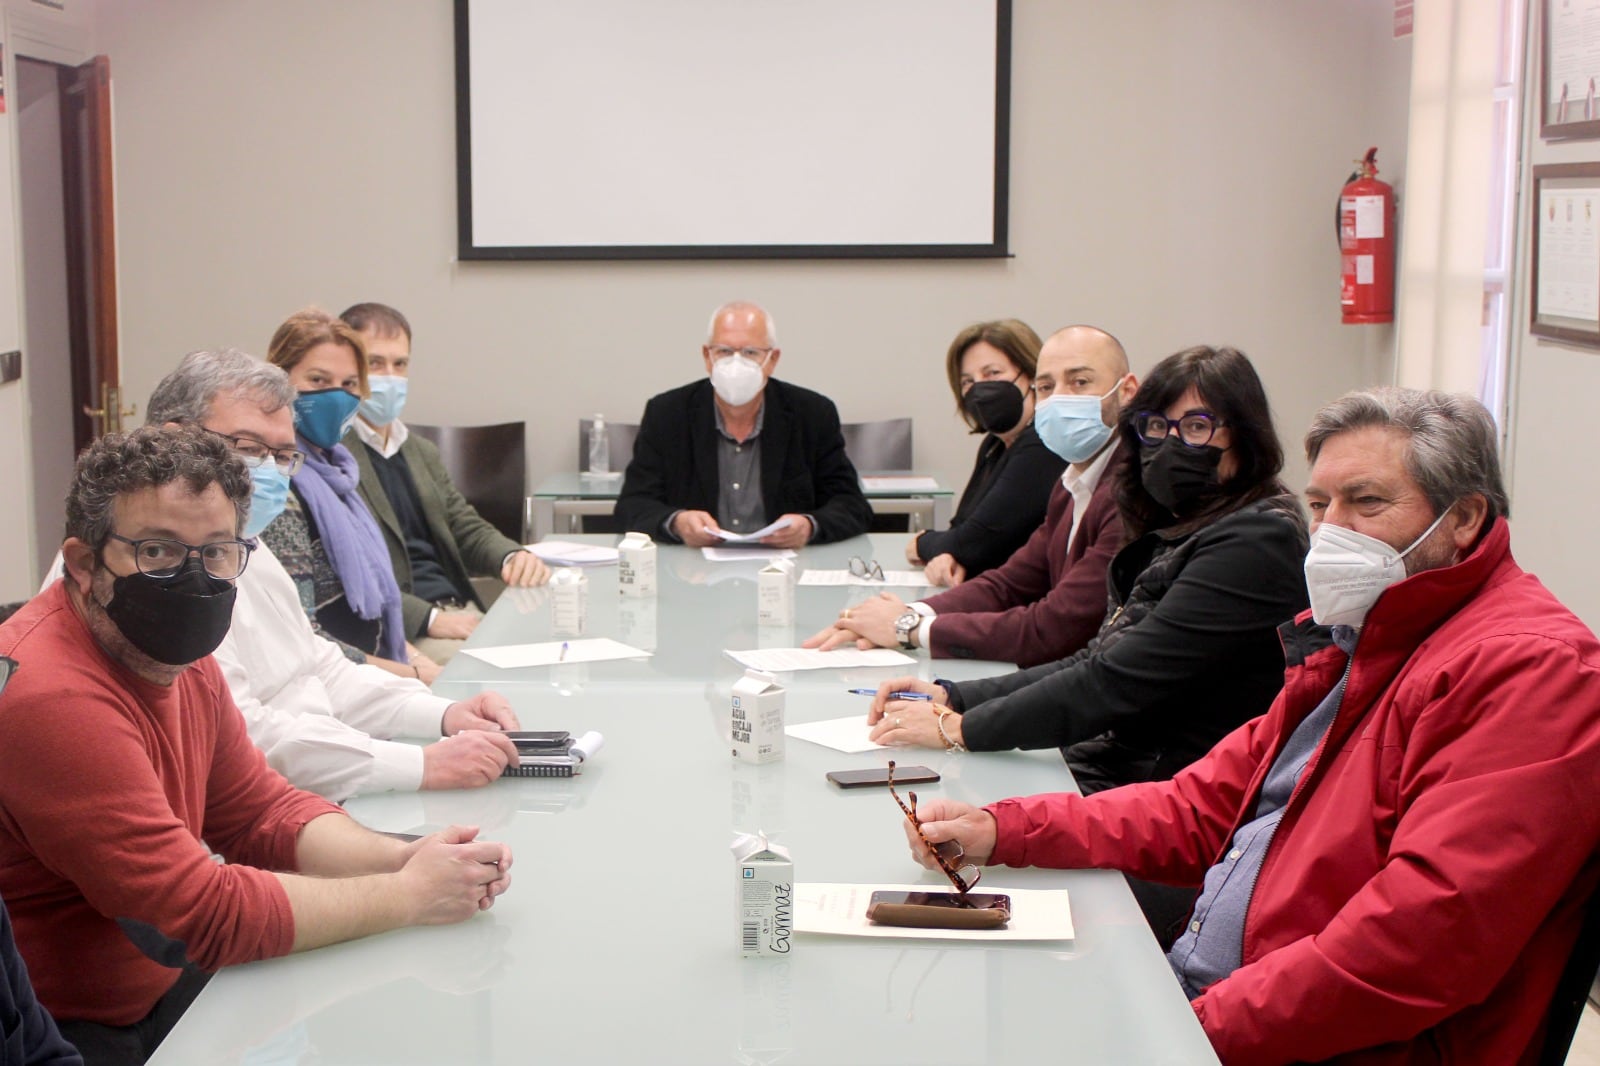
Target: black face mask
997	405
1176	475
174	620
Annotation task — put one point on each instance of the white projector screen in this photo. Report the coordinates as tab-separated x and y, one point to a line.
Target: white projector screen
640	129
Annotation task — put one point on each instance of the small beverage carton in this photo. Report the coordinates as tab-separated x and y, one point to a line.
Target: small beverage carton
775	594
757	718
636	565
764	899
569	602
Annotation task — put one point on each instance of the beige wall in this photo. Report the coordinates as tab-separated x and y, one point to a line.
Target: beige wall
1174	171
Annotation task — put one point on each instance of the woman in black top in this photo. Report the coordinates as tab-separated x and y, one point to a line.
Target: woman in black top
990	366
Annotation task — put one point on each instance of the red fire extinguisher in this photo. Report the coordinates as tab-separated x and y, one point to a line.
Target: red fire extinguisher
1366	241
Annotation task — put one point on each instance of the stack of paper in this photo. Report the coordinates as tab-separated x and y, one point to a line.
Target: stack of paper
910	579
550	653
774	660
752	538
570	553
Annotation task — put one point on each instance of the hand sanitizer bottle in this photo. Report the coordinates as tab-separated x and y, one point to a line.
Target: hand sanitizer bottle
599	447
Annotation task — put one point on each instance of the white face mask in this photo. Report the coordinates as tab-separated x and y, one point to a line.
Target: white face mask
1347	571
737	379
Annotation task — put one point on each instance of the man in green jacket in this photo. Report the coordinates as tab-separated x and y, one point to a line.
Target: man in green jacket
437	541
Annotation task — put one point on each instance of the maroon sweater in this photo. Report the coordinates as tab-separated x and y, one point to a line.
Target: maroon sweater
1047	600
110	784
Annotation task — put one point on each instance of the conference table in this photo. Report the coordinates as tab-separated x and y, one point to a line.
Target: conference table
618	942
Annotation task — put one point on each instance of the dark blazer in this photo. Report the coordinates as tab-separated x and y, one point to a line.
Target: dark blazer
31	1037
468	545
803	466
1005	500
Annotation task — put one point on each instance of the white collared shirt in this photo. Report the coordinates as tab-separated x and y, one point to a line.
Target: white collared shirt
373	438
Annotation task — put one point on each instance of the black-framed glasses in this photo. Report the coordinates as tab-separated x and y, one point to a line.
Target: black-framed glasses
255	452
722	351
861	568
950	855
1194	429
159	557
7	668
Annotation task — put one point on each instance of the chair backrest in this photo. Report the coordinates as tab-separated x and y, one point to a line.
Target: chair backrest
1572	991
882	445
620	435
489	465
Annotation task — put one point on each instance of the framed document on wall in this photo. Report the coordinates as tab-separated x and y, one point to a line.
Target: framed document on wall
1569	86
1566	252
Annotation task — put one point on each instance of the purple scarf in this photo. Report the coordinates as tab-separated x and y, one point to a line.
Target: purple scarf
350	535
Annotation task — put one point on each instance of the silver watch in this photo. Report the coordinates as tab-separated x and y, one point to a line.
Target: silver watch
906	625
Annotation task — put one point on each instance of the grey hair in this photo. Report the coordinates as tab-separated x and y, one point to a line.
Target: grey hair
146	458
1452	451
743	305
186	394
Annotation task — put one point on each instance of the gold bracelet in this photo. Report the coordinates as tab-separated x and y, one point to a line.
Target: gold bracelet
949	745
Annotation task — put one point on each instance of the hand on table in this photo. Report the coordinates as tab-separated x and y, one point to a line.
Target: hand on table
797	534
468	759
912	555
451	875
867	624
697	529
915	724
486	710
422	668
944	571
452	625
523	569
943	819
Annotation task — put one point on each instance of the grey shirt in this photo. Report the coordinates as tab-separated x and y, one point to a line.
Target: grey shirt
739	506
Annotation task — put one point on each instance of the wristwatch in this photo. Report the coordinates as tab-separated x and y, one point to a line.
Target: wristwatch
906	625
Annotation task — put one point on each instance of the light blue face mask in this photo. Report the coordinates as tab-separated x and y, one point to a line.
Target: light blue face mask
268	497
1071	425
323	415
386	400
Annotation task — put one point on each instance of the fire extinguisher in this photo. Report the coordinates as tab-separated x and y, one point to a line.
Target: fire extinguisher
1366	244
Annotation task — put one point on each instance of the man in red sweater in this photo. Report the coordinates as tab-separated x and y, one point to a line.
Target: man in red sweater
1048	599
1394	861
124	751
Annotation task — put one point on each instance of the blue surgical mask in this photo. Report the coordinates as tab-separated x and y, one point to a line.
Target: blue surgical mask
268	497
1071	425
323	416
386	400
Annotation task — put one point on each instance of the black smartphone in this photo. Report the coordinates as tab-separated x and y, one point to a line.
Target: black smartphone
535	740
940	910
903	775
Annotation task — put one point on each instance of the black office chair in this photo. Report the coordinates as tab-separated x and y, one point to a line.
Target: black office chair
9	609
489	465
1573	990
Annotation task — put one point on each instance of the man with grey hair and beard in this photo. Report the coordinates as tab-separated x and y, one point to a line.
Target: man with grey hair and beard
1395	860
124	752
322	720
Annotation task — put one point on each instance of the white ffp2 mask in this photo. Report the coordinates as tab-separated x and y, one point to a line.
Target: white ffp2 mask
1347	571
737	379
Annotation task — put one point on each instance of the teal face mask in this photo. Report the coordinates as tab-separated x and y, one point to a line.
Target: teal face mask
387	399
323	416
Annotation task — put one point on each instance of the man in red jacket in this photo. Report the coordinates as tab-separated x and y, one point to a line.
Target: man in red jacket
1049	598
1394	860
124	751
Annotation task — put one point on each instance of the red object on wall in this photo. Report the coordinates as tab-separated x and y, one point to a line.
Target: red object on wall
1366	243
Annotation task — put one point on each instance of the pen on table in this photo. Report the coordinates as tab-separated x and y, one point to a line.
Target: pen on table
563	656
893	695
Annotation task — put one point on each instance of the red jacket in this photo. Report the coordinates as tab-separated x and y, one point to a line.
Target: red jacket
1425	886
1047	600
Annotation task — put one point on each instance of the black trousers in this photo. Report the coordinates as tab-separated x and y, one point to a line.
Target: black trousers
131	1045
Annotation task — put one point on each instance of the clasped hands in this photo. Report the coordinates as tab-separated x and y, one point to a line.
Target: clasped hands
699	529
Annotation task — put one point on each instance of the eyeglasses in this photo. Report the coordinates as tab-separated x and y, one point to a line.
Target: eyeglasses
254	453
950	856
158	557
7	668
722	351
1194	429
859	567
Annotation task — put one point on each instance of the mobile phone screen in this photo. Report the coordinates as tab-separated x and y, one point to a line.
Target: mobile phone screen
903	775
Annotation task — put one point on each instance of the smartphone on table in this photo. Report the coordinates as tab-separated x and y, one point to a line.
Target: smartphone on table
940	910
879	776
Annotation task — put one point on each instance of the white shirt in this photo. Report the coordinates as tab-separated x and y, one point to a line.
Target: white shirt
316	715
373	439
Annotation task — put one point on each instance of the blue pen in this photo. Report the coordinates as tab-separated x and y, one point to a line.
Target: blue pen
893	695
563	656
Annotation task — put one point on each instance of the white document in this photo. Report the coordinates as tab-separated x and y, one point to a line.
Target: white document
840	734
909	579
774	660
746	555
569	553
549	653
841	910
884	483
750	538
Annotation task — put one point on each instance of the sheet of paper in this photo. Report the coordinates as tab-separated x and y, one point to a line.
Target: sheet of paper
590	650
570	553
910	579
841	910
750	538
840	734
746	555
780	659
889	483
1569	253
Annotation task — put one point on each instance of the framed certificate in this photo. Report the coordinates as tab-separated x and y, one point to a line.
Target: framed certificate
1566	252
1569	88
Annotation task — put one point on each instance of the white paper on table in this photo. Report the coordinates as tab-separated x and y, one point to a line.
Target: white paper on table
774	660
840	734
841	910
882	483
746	555
570	553
589	650
911	579
749	538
